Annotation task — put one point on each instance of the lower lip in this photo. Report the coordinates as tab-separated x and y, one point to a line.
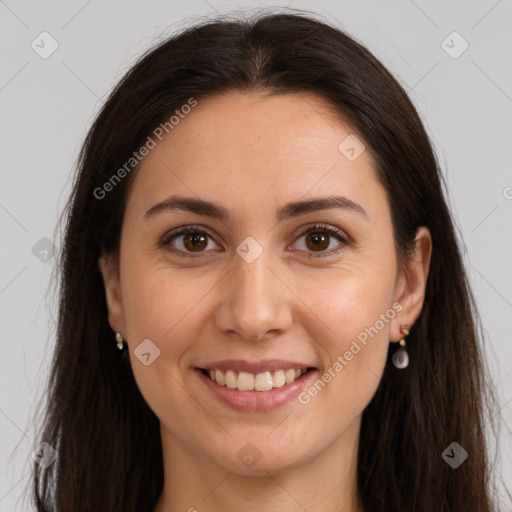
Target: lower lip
255	401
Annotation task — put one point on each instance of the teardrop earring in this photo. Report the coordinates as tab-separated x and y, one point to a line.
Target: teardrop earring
119	340
401	357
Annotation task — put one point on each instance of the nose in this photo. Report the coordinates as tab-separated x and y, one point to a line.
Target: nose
255	302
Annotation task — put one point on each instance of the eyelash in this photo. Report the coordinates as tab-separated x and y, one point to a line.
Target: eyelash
197	230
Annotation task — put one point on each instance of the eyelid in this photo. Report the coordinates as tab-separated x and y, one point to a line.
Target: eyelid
183	230
344	239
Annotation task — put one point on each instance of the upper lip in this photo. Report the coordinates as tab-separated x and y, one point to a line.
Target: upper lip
254	367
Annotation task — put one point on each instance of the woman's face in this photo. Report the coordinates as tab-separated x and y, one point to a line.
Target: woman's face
251	293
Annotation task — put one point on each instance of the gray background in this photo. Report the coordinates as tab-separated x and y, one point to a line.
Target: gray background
47	105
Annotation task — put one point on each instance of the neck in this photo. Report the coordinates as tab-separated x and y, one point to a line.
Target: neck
327	482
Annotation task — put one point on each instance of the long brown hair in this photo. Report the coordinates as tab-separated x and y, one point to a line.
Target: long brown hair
109	453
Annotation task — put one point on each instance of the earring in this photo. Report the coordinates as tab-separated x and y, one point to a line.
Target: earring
401	358
119	340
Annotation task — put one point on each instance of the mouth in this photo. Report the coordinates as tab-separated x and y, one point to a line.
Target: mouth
255	387
256	382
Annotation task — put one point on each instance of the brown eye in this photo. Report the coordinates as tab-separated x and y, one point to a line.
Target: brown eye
318	239
188	242
195	241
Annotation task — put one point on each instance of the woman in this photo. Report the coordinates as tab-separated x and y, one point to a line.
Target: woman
263	304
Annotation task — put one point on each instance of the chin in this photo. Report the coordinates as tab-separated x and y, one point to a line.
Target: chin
260	459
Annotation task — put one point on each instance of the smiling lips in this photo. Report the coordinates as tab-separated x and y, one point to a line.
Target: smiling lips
264	381
255	386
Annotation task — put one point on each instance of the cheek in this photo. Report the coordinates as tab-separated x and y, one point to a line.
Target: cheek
357	313
356	310
350	302
354	342
153	307
164	307
161	305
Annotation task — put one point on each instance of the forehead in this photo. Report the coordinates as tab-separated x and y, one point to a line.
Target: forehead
241	146
283	127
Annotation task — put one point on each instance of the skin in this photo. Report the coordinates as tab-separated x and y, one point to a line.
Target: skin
252	154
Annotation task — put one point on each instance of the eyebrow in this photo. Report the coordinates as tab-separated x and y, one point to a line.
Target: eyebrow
288	211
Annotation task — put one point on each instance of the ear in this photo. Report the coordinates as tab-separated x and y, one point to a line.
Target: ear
411	284
109	271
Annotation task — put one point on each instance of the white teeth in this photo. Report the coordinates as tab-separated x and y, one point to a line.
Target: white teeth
219	377
231	379
279	379
246	381
263	382
289	376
